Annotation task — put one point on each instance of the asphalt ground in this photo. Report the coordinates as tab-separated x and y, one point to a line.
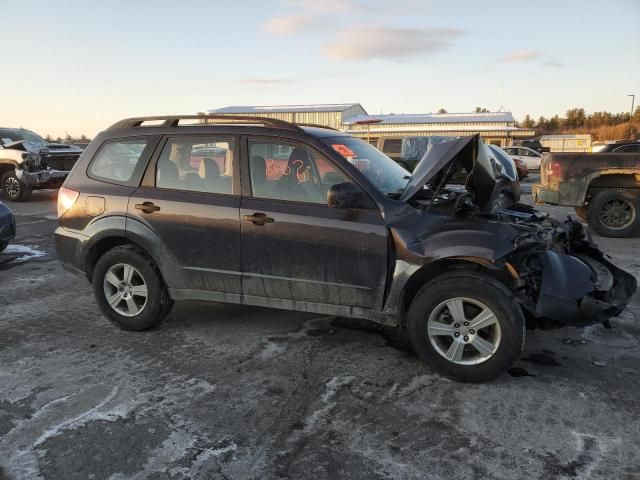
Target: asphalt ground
225	391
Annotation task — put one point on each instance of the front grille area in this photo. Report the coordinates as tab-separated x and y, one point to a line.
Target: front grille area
61	161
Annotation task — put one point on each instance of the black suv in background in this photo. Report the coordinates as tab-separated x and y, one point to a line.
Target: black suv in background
622	146
263	212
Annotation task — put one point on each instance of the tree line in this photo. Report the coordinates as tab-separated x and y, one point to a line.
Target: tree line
68	139
601	125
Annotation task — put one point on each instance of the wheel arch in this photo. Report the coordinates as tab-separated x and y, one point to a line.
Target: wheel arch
432	270
611	178
101	246
6	167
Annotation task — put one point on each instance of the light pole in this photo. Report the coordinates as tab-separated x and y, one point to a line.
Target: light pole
633	99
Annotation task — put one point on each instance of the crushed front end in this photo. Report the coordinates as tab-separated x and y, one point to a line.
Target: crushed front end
561	277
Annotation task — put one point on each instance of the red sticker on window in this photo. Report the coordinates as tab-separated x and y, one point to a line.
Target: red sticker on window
343	150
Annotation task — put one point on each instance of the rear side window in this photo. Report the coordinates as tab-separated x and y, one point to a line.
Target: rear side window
116	161
198	164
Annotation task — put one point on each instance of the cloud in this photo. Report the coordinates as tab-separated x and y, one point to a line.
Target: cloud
265	82
554	64
521	56
308	15
285	25
364	43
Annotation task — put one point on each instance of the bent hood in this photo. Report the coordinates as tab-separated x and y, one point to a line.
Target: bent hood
467	155
38	147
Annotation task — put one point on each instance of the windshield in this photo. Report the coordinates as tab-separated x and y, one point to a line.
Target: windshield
390	178
8	135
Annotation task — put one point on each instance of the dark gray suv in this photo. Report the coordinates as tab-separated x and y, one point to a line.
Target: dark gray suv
263	212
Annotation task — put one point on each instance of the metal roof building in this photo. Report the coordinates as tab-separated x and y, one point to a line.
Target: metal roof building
331	115
495	127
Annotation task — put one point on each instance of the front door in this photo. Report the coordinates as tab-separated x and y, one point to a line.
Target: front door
294	246
191	200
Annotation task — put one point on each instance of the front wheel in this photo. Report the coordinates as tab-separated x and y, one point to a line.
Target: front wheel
13	188
466	326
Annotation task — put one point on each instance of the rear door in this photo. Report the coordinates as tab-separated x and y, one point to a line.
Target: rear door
189	200
294	246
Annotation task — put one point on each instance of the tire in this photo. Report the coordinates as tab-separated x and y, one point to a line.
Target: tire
3	244
13	189
581	213
152	309
482	293
614	212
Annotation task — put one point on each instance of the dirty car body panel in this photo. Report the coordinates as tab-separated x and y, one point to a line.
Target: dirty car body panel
565	178
556	274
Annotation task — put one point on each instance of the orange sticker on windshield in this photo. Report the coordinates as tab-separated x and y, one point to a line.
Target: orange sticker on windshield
343	150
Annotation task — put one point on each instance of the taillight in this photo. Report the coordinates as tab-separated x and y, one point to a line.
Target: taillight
554	171
66	199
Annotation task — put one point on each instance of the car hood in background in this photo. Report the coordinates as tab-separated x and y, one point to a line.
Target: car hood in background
443	160
37	147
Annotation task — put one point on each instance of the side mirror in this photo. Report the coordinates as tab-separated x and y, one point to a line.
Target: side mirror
348	195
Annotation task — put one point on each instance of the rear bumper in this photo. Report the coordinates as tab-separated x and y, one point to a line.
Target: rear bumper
42	177
70	249
542	194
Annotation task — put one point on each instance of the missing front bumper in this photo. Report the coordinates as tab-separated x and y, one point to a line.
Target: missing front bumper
570	291
42	177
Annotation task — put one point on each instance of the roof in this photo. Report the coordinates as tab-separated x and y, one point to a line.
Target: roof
334	107
375	129
505	117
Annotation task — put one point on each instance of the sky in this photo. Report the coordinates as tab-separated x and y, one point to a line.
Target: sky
76	67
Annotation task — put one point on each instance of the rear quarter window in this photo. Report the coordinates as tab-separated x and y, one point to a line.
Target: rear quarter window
116	161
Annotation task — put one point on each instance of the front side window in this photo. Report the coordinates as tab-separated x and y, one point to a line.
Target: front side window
283	171
524	153
389	177
116	161
200	164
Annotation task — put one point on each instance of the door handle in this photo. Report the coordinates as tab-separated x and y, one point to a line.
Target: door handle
258	218
147	207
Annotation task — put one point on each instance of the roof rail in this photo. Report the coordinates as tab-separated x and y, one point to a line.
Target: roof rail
174	120
316	125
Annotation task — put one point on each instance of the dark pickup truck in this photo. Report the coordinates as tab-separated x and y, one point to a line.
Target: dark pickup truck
604	189
29	162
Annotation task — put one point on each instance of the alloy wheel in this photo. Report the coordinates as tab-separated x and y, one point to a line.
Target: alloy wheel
617	214
125	289
464	331
12	187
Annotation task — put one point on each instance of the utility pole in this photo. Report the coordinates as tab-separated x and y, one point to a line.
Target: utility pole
633	99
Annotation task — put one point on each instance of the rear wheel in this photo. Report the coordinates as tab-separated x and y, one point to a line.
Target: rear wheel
466	326
13	188
614	213
129	289
3	244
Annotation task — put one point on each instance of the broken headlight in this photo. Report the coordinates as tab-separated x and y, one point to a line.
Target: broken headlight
31	161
